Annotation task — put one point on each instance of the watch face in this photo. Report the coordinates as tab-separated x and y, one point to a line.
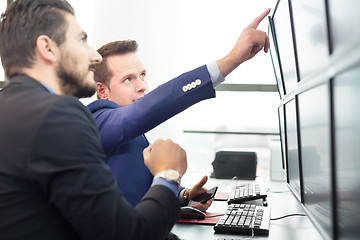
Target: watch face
170	175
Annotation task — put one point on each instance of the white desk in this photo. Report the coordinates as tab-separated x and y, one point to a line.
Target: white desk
281	202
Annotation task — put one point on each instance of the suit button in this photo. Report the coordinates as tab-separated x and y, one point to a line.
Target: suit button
184	88
198	81
193	85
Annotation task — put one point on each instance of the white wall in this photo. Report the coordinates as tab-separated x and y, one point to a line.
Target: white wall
84	12
175	36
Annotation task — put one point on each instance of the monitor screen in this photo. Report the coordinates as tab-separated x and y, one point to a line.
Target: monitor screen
282	130
275	58
292	154
347	152
315	145
311	36
283	32
344	19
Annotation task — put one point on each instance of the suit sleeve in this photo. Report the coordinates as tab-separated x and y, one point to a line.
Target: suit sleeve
68	163
120	125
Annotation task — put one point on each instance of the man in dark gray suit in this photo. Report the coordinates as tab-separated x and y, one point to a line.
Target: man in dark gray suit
54	183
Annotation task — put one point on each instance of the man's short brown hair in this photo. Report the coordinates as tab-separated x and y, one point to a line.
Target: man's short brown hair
102	72
22	23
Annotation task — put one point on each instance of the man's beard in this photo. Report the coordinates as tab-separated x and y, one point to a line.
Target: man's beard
74	83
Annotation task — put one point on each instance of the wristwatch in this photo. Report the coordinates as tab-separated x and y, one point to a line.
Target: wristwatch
170	175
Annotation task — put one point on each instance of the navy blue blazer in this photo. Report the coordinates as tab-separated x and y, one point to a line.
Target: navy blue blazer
122	128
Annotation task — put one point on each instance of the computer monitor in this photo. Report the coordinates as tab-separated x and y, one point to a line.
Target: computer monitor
311	36
284	37
293	165
316	166
347	151
274	54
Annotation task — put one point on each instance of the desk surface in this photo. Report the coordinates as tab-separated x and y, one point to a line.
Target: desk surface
280	200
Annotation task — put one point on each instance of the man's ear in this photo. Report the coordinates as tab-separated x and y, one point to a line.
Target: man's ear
46	49
102	91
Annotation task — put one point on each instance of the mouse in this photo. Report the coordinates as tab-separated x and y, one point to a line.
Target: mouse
188	212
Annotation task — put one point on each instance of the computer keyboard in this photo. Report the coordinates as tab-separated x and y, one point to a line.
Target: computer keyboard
247	219
246	192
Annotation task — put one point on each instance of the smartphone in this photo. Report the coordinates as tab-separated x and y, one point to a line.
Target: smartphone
203	198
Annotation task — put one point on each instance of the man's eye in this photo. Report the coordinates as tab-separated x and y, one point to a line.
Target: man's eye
142	76
127	80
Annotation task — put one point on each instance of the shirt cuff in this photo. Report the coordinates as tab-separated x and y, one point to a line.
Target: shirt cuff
214	71
168	184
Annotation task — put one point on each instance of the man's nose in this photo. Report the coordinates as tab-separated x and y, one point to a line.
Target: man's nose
140	84
94	56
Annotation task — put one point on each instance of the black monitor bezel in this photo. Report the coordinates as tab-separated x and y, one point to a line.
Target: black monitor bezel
273	41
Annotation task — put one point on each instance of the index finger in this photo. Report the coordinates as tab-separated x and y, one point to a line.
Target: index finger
201	183
257	21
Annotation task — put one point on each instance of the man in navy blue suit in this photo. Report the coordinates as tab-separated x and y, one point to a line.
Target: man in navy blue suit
125	111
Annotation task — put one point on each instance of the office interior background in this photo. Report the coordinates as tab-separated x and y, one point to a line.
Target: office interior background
178	36
319	105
